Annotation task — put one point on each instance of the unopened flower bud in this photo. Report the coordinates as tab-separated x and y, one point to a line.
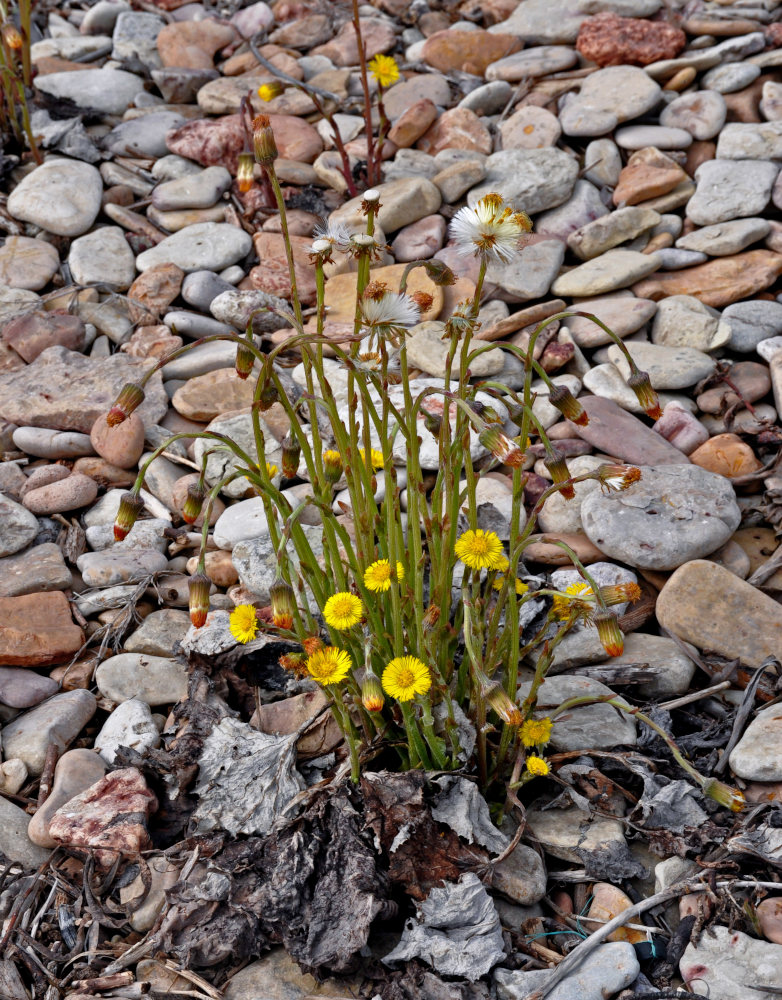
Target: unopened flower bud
268	91
620	593
291	452
563	399
268	396
432	422
498	699
439	272
130	506
194	501
616	477
263	141
608	631
502	447
130	397
372	693
557	466
641	385
245	359
283	601
332	466
11	36
244	172
199	586
730	798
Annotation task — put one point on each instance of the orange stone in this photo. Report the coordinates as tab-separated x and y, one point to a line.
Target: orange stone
649	173
467	51
727	455
718	282
37	630
458	128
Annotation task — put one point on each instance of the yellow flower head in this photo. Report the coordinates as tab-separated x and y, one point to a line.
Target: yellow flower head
343	610
268	91
375	457
329	665
480	549
503	565
243	623
384	69
537	766
521	587
405	677
577	594
536	732
378	576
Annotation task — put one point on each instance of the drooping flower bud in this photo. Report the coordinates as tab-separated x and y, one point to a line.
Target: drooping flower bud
194	501
616	477
498	699
502	447
263	141
199	586
291	452
432	422
11	36
439	272
245	359
332	466
244	172
557	466
563	399
619	593
647	398
283	601
431	618
730	798
372	697
130	397
130	506
268	396
608	631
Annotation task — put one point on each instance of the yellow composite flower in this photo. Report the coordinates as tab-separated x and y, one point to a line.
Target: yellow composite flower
243	623
480	549
576	592
343	610
521	587
378	575
268	91
537	766
384	69
329	665
536	732
375	457
405	677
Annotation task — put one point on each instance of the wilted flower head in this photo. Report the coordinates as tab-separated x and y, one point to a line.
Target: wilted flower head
491	230
11	36
620	593
384	69
723	794
560	474
332	465
263	141
503	448
194	501
439	272
616	477
291	453
498	699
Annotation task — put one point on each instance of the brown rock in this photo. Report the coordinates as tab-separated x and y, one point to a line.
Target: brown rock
37	630
305	32
110	817
10	361
286	716
53	64
207	396
104	473
458	128
44	475
152	292
412	123
300	223
713	609
610	40
752	382
543	550
607	903
74	676
718	282
272	274
378	36
218	566
193	44
773	35
616	432
727	455
76	770
699	152
152	342
122	445
769	914
32	333
70	493
467	51
649	173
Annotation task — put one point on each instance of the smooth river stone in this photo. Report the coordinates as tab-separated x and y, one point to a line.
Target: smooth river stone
612	270
156	680
719	282
58	720
614	431
76	770
37	630
674	514
27	263
758	754
621	312
669	368
748	625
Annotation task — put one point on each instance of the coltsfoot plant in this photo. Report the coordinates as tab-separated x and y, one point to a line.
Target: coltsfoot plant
411	617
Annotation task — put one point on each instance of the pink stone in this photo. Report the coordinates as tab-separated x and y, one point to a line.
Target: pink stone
110	817
681	428
610	40
420	240
413	122
193	44
769	913
377	36
458	128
